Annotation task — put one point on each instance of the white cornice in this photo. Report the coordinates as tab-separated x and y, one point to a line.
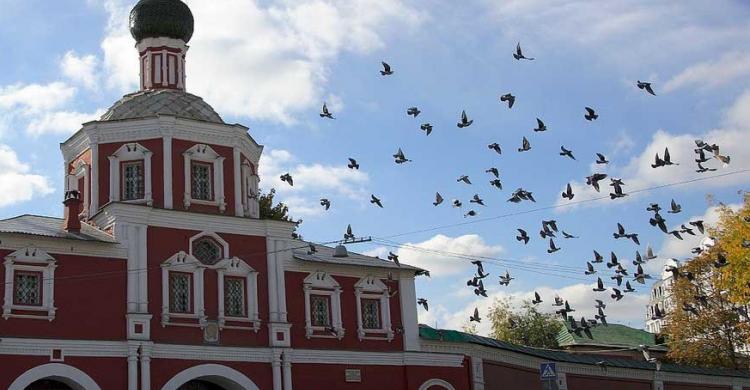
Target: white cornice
301	356
354	270
64	246
42	347
135	214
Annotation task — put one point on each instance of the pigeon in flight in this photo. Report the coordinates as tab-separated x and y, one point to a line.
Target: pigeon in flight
496	183
325	203
423	303
618	278
590	114
540	126
621	234
612	260
494	171
521	194
601	159
594	180
628	287
475	316
470	213
537	299
400	157
551	224
600	304
426	127
376	201
702	169
348	235
558	301
457	203
645	86
508	98
464	178
480	290
601	316
325	113
617	184
523	236
438	199
698	224
480	267
598	258
496	147
518	55
654	207
413	111
650	253
552	247
568	235
465	122
525	146
476	199
505	280
566	152
394	258
287	178
674	207
599	285
386	69
640	276
589	269
638	259
352	164
568	194
686	230
617	295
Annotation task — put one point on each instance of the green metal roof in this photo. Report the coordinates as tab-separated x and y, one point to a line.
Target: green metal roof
614	335
428	333
161	18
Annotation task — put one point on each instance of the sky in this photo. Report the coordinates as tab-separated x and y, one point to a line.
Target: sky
271	64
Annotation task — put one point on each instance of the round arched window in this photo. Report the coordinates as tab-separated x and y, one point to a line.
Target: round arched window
207	250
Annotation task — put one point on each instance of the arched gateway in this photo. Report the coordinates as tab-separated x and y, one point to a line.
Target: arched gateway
54	376
210	377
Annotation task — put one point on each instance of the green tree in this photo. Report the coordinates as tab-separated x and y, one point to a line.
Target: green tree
732	235
269	210
526	325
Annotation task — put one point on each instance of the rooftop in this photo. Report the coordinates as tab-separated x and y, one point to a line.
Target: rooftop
52	227
613	335
324	254
151	103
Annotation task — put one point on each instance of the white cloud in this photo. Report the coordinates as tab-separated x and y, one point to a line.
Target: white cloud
630	310
311	182
429	254
82	70
272	62
59	122
711	74
19	184
34	98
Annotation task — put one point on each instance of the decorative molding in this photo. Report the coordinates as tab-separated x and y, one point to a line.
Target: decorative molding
183	262
130	152
249	192
211	370
63	246
77	348
237	267
436	382
370	287
33	260
216	237
82	170
167	162
321	283
69	375
206	154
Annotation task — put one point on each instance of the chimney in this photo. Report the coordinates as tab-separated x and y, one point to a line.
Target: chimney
72	203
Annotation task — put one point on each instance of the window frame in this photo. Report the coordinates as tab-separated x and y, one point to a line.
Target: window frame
205	154
30	260
197	241
191	292
130	152
185	263
40	287
238	268
321	283
243	295
373	288
379	314
142	189
329	316
209	170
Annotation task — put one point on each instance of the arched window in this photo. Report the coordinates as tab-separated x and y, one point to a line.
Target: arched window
207	250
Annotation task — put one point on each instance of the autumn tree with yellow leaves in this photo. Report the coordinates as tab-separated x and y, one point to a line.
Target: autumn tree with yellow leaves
709	325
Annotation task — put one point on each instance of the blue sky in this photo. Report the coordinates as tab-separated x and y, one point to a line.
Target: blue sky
270	65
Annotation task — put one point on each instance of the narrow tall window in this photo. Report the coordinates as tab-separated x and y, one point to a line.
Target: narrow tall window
132	180
180	292
27	288
320	310
234	297
371	314
201	181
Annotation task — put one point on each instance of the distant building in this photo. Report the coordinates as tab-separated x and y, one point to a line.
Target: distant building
661	298
614	340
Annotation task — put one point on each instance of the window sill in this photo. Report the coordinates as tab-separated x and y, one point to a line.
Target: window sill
375	334
323	333
22	311
215	203
252	324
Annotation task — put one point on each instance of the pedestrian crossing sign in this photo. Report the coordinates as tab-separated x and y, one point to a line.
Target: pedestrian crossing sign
547	371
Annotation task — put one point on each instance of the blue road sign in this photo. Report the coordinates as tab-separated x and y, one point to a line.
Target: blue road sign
547	371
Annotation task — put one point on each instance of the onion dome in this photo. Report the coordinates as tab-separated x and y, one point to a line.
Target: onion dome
161	18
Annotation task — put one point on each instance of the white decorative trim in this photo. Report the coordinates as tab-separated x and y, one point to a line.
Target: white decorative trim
237	267
63	246
436	382
477	373
370	287
34	260
130	152
81	170
69	375
94	202
207	371
167	147
407	296
211	353
216	237
204	153
239	209
135	319
317	356
321	283
183	262
249	192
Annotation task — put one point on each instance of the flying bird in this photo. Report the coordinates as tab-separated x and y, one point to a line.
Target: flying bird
476	199
470	213
598	258
400	157
650	253
566	152
568	235
552	247
601	159
599	285
493	171
496	183
413	111
457	203
617	185
594	180
518	55
325	203
540	126
601	316
613	262
505	280
496	147
558	301
523	236
525	146
394	258
568	194
464	178
590	114
325	113
600	304
475	317
589	269
537	298
508	98
702	169
352	164
287	178
376	201
386	69
617	295
628	287
348	235
426	127
674	207
438	199
645	86
423	302
698	224
465	122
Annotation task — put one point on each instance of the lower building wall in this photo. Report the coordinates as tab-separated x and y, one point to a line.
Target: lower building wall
325	377
162	370
502	376
690	386
576	382
108	373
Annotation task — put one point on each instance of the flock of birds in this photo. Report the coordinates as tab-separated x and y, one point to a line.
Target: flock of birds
549	230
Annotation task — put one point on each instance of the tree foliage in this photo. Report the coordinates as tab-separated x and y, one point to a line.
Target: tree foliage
269	210
526	326
709	323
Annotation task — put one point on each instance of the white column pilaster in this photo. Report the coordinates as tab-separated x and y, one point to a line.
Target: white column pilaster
238	209
281	251
142	231
131	242
94	205
132	367
408	299
477	373
167	155
272	287
276	370
145	366
286	363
